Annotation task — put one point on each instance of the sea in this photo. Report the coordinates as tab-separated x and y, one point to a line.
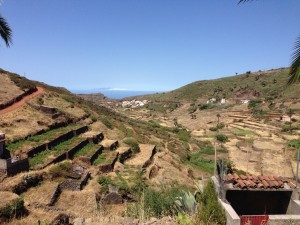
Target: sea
115	94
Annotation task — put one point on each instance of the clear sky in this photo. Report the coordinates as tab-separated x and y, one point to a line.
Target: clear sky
151	45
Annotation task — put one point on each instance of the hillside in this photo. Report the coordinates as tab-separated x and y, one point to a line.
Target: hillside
265	84
63	140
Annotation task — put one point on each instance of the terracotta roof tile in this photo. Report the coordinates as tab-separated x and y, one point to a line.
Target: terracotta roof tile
258	182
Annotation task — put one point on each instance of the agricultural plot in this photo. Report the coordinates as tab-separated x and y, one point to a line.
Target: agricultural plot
37	140
104	158
88	150
45	157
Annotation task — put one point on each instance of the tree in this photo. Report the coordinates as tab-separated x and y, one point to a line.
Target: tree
294	75
290	113
5	32
218	115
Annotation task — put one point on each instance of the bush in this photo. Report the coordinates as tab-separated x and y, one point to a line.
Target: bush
294	144
133	144
155	203
192	109
107	123
222	138
210	210
183	135
254	104
213	128
12	209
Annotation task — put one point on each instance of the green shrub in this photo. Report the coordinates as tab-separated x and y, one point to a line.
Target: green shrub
204	164
155	203
192	109
183	135
210	210
294	144
12	209
107	123
134	145
213	128
222	138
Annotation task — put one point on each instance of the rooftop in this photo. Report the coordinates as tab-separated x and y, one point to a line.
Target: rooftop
235	181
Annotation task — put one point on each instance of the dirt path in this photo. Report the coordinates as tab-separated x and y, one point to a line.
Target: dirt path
18	104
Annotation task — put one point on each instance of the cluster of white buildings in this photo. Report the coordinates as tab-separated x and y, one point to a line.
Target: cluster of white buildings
134	103
214	100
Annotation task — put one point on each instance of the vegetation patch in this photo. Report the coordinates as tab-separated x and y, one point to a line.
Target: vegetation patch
240	132
36	140
107	122
210	211
222	138
12	208
134	145
196	159
87	150
155	203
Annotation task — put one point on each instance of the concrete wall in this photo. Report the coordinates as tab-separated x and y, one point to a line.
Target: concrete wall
231	216
284	219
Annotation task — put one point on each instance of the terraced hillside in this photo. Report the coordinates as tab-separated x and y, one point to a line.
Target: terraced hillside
67	140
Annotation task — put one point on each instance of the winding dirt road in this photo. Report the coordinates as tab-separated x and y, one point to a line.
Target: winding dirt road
20	103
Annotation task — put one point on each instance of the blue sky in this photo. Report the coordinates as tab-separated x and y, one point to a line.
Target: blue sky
152	45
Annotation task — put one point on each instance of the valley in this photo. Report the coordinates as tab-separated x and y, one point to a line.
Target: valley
70	156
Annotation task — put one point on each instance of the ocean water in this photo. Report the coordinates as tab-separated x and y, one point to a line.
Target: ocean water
124	94
115	94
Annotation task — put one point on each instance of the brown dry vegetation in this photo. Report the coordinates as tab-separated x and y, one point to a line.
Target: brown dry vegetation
8	89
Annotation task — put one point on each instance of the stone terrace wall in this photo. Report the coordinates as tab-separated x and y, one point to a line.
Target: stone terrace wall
56	141
18	98
97	138
12	168
72	152
16	167
110	166
67	155
96	154
149	161
125	155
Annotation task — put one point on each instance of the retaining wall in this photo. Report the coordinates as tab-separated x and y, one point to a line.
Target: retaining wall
149	161
56	141
125	155
12	168
96	154
67	155
110	166
72	152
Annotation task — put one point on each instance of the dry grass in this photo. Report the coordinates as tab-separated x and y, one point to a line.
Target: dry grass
41	194
6	197
23	122
81	203
141	157
8	89
53	100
